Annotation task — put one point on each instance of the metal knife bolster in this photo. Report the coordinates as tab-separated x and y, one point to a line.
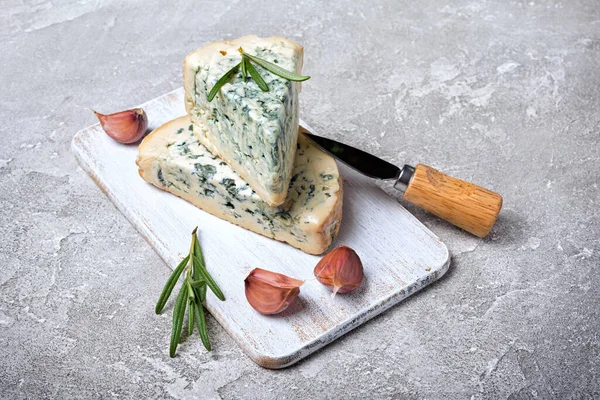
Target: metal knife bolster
404	177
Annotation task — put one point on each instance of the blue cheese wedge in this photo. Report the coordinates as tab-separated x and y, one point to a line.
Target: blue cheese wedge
173	159
255	132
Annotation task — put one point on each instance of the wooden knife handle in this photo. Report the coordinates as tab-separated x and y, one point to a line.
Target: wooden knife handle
461	203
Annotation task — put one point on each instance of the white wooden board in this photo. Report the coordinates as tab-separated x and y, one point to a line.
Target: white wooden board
400	256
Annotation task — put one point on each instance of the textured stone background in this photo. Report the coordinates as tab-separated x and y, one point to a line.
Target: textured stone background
504	93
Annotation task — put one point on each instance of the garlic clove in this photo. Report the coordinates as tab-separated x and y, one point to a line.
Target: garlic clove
270	292
340	270
126	126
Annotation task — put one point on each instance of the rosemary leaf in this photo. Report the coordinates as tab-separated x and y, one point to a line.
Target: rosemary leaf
178	314
166	292
201	322
244	69
275	69
191	303
198	253
203	293
209	280
193	246
198	283
188	281
256	76
223	80
191	314
203	272
197	294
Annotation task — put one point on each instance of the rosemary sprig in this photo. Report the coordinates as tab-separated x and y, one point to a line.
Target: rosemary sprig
276	69
191	295
247	68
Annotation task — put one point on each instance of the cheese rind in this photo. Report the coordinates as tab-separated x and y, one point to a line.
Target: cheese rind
173	159
255	132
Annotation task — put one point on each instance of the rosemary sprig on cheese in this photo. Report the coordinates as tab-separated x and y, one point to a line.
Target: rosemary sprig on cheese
247	68
274	68
191	295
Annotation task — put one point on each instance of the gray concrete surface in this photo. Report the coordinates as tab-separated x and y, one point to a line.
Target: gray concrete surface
504	93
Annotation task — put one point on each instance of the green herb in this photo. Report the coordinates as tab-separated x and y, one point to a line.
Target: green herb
191	315
256	76
276	69
178	314
247	68
223	80
191	295
244	65
201	322
162	300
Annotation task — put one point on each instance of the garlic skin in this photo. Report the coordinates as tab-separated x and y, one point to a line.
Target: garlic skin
125	127
340	270
270	292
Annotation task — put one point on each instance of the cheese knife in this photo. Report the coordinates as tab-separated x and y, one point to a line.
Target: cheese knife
464	204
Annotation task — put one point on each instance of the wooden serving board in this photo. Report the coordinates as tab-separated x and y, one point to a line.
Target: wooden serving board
400	256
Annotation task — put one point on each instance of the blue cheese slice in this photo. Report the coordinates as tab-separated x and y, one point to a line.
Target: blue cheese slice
173	159
255	132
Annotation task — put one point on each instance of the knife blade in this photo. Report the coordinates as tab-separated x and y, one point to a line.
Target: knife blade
464	204
363	162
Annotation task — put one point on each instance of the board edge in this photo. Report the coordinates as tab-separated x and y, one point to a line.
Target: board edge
281	361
